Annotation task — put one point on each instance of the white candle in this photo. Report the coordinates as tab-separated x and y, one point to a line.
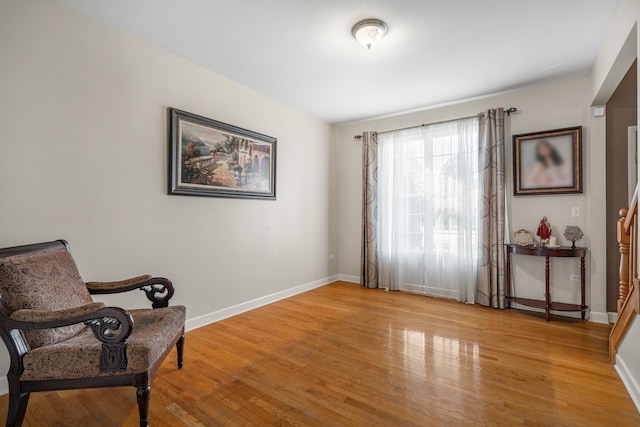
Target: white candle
553	241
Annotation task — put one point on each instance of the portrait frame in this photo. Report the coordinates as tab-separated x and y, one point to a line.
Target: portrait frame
215	159
548	162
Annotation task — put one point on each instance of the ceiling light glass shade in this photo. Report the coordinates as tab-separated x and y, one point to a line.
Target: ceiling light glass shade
369	32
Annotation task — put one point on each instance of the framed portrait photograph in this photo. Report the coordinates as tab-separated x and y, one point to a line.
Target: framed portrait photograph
211	158
548	162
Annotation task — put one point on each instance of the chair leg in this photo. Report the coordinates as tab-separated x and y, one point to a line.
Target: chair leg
17	407
143	395
180	348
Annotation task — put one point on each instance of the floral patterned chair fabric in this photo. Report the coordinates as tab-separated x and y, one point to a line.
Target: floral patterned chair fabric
59	338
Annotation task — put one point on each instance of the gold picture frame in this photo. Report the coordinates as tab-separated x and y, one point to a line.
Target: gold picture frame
548	162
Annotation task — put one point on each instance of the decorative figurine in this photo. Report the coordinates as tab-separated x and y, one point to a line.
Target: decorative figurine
544	231
573	233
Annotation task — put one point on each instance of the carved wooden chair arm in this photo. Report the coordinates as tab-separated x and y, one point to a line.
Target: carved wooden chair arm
158	289
109	324
46	316
117	286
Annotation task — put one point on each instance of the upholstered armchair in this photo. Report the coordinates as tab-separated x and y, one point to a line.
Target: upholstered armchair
59	338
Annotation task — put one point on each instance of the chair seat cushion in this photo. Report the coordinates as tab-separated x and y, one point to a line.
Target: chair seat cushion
79	356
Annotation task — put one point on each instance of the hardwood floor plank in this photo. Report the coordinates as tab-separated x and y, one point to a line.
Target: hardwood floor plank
341	355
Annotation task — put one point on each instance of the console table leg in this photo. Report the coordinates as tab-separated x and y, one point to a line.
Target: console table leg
508	279
582	292
547	296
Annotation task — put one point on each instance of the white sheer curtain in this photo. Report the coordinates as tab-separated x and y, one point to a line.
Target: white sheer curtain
428	209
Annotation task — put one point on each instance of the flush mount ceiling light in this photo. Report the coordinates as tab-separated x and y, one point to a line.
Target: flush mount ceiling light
369	32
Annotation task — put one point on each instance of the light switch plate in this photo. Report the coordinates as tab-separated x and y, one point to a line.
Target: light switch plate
575	212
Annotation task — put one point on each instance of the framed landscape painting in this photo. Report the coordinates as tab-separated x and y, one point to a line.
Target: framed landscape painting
548	162
211	158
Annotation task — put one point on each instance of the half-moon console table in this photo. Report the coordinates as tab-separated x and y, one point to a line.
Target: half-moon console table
547	252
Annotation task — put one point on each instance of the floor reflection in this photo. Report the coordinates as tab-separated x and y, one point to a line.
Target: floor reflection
447	355
414	354
458	358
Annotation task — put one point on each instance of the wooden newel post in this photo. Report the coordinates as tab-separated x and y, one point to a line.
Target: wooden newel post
623	242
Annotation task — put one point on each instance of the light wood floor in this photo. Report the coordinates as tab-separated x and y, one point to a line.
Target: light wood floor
342	355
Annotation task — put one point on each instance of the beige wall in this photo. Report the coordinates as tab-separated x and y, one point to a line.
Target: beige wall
621	113
83	156
558	105
619	50
617	53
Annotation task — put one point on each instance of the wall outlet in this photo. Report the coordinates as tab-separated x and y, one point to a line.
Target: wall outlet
575	212
331	257
575	277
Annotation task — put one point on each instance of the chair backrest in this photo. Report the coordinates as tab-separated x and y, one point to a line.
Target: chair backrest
39	277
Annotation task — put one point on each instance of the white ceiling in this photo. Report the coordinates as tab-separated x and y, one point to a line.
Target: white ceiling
436	51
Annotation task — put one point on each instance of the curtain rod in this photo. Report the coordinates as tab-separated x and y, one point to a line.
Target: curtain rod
506	110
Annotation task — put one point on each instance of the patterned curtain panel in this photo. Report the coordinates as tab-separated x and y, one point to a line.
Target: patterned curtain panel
369	255
491	274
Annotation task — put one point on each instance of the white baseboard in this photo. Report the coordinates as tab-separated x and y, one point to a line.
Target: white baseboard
347	278
598	317
206	319
613	317
628	380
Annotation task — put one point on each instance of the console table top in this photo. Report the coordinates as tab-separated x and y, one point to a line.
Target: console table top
561	251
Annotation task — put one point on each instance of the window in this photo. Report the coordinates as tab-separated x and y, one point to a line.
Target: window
428	202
